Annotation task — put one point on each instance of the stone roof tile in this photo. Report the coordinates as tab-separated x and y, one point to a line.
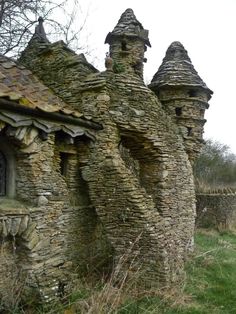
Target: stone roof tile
177	70
19	84
128	25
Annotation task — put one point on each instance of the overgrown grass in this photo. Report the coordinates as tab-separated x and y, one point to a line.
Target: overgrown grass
210	287
212	275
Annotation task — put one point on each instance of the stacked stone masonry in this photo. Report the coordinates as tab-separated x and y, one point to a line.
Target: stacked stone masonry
217	209
102	172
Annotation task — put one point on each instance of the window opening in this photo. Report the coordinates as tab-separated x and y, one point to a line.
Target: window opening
192	93
3	167
189	131
202	111
124	46
178	111
64	163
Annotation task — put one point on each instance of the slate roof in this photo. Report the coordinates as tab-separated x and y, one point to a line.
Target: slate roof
26	101
177	70
19	84
128	25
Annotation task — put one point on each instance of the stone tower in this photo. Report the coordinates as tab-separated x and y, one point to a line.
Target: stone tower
128	42
183	95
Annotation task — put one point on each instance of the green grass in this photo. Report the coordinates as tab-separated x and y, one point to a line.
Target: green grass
212	276
210	284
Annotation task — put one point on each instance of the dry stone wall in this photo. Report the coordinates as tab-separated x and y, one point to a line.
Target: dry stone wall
129	204
216	209
184	95
188	113
149	216
133	203
60	67
42	230
128	196
129	59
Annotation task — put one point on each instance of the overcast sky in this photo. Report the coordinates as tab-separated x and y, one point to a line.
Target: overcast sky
206	28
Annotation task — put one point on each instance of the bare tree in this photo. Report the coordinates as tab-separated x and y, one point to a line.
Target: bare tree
18	19
216	166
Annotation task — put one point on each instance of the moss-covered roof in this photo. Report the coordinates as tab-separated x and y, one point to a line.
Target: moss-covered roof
26	101
177	70
18	84
129	26
58	67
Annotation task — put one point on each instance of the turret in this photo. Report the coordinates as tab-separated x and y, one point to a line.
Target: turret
183	95
128	42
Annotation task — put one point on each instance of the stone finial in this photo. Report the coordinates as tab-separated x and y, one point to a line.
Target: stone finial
177	70
176	51
40	32
129	26
108	62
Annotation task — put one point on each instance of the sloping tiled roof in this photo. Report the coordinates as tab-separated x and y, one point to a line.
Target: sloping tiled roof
25	101
18	84
177	70
128	25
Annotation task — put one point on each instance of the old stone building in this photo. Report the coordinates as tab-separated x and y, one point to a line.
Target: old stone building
95	167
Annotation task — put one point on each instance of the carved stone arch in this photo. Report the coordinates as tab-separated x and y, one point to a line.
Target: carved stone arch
8	159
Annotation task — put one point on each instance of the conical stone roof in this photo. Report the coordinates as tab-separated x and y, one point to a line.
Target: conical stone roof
129	26
177	70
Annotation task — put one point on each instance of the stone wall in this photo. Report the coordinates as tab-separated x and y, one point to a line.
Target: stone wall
184	95
187	108
216	209
67	69
140	194
128	56
50	232
137	200
144	196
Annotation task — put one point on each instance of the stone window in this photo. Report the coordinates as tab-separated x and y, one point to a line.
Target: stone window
202	111
124	46
189	131
192	93
178	111
7	169
3	167
64	158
